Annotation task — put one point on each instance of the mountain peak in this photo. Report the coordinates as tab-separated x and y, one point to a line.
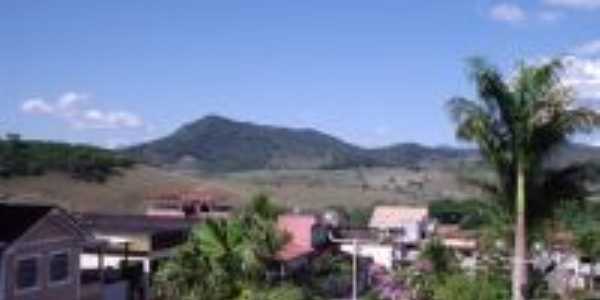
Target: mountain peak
213	119
217	143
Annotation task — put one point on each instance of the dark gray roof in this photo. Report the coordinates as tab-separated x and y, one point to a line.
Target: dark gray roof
134	223
16	219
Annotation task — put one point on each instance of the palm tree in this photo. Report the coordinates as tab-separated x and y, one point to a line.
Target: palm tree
223	258
516	123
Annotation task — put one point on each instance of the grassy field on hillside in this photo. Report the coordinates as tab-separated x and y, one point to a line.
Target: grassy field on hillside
305	189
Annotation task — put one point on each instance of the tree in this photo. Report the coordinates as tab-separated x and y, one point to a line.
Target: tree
516	124
223	259
441	258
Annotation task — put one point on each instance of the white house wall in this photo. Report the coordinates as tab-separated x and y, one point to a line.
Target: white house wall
381	254
91	261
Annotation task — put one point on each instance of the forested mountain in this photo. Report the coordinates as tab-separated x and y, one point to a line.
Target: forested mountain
217	144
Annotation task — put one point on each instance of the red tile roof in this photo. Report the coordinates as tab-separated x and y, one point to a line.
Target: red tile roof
299	230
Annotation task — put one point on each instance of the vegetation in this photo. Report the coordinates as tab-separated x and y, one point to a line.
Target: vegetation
468	214
461	286
33	158
438	276
225	259
329	276
516	125
217	144
582	221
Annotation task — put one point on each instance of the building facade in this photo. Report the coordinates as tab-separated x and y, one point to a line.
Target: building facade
39	253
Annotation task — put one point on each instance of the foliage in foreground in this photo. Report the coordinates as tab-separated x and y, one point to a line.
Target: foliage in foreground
227	259
438	276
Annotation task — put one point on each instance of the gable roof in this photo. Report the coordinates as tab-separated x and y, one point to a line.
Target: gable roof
16	219
393	216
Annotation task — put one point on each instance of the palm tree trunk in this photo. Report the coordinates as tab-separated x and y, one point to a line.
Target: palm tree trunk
519	273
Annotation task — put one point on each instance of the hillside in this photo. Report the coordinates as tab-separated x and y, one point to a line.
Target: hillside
121	193
309	189
218	144
19	157
298	167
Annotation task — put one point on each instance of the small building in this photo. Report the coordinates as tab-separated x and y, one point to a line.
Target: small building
306	237
404	224
207	202
39	254
137	242
465	243
368	245
404	228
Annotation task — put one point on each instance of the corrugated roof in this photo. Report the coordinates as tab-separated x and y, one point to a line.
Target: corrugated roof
393	216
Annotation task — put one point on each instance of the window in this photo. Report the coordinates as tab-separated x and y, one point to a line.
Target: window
27	273
59	267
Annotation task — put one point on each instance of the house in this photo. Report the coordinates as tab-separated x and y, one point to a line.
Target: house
39	253
368	245
201	202
566	269
135	242
405	224
465	243
305	238
403	227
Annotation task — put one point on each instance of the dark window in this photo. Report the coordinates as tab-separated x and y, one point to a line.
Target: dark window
27	275
59	267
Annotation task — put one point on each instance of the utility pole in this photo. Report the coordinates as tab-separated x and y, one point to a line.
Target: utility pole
354	268
355	248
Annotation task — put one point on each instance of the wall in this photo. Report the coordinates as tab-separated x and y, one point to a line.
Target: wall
50	235
381	254
45	290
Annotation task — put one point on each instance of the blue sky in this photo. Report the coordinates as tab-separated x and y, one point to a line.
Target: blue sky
371	72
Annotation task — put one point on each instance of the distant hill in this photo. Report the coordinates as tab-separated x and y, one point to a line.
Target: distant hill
19	157
218	144
300	168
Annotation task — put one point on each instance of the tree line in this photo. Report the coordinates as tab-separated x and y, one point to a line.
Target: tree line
20	157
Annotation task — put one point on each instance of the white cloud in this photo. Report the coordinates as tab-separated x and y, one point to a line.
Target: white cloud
507	12
94	118
583	74
37	106
576	4
71	100
73	108
589	48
